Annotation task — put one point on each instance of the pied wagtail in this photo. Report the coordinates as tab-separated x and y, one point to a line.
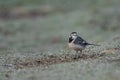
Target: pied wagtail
77	43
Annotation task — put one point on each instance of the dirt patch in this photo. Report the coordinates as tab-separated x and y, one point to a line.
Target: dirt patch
56	59
53	59
109	51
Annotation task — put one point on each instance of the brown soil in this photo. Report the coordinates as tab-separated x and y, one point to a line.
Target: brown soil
53	59
56	59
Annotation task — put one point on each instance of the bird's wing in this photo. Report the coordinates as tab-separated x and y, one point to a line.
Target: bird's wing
80	41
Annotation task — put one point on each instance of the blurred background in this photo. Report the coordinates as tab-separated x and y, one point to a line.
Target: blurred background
35	25
31	28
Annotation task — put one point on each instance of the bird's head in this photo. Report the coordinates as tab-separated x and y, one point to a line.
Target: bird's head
73	35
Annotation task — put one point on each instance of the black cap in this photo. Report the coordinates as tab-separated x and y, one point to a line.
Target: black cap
74	33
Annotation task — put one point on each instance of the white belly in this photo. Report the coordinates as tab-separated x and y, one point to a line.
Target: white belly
75	47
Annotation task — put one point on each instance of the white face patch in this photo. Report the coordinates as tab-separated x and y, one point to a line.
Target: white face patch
74	36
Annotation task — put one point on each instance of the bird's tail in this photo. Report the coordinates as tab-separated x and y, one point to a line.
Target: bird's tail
93	44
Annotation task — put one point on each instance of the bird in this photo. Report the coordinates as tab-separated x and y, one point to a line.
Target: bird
77	43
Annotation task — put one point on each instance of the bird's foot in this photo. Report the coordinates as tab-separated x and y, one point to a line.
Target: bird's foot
77	56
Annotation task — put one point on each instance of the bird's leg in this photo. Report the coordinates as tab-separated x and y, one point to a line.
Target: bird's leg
77	54
80	53
76	51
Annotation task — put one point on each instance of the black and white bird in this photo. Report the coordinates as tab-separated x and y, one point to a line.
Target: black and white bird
77	43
